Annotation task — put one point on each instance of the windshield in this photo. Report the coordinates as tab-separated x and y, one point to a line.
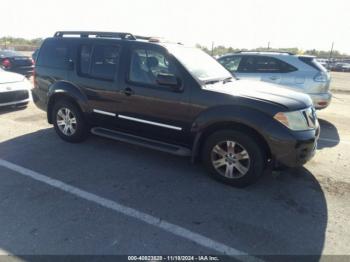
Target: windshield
201	65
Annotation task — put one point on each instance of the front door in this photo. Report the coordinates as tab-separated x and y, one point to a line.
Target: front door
149	108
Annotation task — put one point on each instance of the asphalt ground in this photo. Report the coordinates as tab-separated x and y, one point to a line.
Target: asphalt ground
103	197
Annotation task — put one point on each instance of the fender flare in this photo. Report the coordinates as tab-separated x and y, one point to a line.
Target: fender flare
229	115
68	90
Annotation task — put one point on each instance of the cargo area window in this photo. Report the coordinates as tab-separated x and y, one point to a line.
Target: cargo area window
54	54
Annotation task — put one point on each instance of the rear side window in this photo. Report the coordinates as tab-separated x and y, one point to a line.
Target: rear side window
247	65
54	54
99	61
231	63
264	64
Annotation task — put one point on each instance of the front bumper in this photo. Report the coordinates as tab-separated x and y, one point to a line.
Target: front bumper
293	148
14	97
322	100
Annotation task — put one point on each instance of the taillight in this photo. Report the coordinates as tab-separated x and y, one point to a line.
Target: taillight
33	62
6	63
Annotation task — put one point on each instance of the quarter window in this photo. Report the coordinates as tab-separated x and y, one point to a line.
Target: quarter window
147	64
54	54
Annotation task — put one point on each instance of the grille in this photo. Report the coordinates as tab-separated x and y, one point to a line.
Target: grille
8	97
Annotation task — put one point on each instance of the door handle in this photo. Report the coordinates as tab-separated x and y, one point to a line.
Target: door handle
128	91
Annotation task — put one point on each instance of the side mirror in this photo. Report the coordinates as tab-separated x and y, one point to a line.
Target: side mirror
169	80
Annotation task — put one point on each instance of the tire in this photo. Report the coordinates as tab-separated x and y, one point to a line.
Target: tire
78	130
243	167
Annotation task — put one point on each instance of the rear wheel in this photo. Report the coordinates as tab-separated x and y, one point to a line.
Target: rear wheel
69	122
234	157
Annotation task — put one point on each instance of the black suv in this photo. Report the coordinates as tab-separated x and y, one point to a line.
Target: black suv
172	98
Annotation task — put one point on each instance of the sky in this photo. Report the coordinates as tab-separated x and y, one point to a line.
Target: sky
306	24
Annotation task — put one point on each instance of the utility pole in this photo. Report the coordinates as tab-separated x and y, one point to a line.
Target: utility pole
268	45
330	54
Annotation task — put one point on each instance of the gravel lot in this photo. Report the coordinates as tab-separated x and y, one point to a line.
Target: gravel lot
302	211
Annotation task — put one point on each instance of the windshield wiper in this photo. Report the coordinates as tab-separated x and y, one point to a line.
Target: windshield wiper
224	81
228	79
210	82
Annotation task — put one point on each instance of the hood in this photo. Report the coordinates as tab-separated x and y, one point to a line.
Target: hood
8	77
263	91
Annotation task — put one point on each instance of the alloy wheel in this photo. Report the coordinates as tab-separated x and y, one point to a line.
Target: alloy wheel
230	159
66	121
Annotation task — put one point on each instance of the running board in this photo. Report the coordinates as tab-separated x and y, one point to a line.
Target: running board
141	141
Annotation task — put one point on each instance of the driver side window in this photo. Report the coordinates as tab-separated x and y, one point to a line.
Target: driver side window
147	64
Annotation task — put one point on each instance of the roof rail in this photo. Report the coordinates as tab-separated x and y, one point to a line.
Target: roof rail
267	51
120	35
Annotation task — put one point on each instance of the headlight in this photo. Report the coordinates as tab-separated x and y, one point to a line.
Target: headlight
293	120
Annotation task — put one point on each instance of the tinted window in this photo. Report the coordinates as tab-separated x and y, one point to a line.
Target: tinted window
246	65
100	61
54	54
85	59
264	64
231	63
147	64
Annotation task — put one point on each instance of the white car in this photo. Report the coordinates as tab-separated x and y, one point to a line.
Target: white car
14	89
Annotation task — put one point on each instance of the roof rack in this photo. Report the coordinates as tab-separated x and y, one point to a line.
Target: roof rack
120	35
267	51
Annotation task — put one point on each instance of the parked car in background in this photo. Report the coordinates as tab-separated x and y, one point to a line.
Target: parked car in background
16	62
172	98
341	67
14	89
299	73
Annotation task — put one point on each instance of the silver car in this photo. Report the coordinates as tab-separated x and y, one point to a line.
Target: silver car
299	73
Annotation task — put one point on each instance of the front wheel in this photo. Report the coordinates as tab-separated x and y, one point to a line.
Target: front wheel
234	157
69	122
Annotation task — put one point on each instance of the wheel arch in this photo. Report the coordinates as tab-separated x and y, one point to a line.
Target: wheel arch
65	91
203	135
247	120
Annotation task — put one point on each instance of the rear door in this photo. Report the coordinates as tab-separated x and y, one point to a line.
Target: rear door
247	68
97	64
